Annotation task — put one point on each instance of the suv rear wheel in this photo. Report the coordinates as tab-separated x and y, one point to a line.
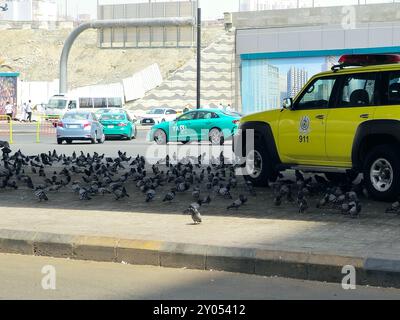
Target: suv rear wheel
382	173
259	167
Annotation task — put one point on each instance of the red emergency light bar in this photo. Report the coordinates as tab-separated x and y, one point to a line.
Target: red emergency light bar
362	60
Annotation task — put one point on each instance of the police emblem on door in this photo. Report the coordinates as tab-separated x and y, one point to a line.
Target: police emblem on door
305	125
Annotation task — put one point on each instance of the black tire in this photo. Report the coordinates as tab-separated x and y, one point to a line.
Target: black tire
221	139
384	185
348	177
267	172
59	141
69	141
94	140
164	139
135	134
101	140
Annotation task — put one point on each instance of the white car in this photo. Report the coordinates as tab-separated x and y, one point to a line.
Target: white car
159	115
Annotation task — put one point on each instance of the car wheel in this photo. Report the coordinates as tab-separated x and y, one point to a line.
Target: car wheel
259	168
135	134
160	137
102	139
216	137
69	141
59	141
382	173
94	139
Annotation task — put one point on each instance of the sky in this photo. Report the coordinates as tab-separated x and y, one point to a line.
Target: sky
212	9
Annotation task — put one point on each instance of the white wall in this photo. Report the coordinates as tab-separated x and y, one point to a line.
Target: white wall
371	35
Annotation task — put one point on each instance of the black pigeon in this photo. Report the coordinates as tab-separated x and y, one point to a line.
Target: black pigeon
41	195
170	196
120	193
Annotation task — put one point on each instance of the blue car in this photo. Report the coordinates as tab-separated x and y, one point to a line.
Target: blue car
80	126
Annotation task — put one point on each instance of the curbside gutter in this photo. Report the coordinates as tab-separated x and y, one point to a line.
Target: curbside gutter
297	265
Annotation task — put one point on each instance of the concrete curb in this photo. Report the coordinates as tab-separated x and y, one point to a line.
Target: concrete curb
297	265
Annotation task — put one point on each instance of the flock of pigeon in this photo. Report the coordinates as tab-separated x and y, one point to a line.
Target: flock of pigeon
89	176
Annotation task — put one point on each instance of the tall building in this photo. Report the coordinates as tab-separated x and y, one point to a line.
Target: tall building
260	86
296	80
30	10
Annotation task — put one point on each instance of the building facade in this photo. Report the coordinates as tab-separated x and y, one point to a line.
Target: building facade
296	80
260	86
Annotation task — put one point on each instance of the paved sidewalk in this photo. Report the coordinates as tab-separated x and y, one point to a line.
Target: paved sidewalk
259	230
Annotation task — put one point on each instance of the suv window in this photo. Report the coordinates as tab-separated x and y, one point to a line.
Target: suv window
393	93
317	95
358	90
169	112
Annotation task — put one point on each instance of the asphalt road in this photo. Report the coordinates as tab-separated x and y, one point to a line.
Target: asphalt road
24	138
21	277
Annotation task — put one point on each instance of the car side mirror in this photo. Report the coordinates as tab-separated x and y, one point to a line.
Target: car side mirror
288	104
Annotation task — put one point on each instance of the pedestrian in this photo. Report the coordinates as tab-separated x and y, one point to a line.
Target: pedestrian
229	108
221	107
23	113
28	110
9	111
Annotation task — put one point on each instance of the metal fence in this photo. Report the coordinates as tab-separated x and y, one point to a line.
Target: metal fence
6	127
259	5
147	37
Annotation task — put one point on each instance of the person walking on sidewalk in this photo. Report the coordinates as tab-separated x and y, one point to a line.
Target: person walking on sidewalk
29	110
9	108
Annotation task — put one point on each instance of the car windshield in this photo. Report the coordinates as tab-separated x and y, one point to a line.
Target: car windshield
76	116
113	117
156	111
57	104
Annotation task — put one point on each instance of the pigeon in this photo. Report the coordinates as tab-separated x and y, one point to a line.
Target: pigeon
150	195
41	195
206	200
302	203
120	193
238	203
193	210
84	195
169	197
395	208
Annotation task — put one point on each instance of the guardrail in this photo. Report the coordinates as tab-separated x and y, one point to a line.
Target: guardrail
10	126
45	126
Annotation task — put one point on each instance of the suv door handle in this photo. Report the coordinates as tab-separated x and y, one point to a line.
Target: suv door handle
320	117
364	116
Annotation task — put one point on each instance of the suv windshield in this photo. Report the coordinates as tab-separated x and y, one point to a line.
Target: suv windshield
57	104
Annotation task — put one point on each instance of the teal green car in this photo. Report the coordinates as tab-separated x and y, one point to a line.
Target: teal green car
215	126
117	123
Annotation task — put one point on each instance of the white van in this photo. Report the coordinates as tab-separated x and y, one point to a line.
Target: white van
59	104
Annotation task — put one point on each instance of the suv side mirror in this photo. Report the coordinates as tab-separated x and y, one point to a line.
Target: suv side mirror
288	104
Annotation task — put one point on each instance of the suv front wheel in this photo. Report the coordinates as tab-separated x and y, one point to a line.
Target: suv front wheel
382	173
259	168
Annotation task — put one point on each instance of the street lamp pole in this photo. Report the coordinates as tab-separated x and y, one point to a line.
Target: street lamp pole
198	104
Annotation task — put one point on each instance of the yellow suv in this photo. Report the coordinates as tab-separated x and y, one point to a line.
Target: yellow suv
344	122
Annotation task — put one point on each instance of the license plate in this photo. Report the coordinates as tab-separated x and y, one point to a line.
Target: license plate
110	127
74	126
148	121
